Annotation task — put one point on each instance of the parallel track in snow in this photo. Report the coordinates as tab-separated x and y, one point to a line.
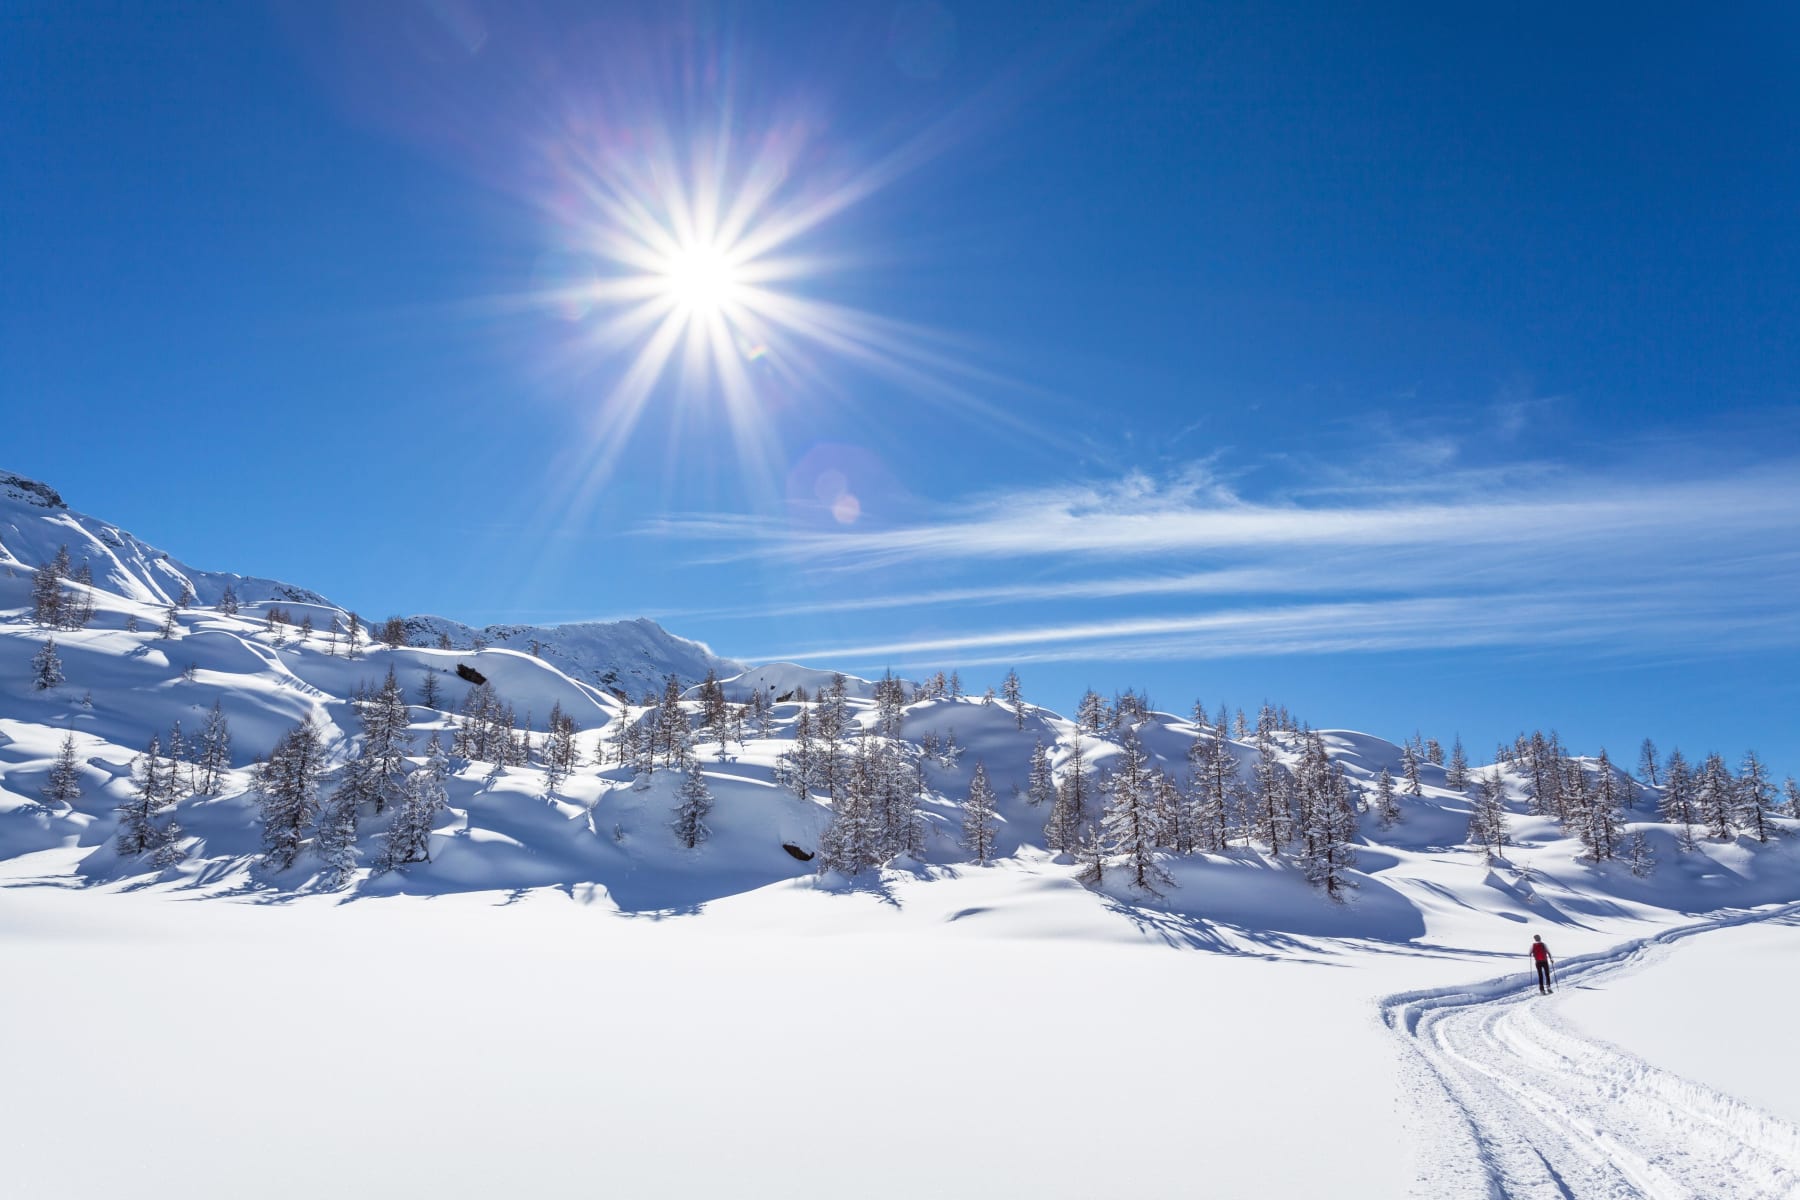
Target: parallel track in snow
1524	1108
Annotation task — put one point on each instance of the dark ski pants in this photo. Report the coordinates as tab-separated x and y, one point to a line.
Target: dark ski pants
1543	976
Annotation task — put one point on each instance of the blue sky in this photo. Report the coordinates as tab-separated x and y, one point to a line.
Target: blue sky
1416	368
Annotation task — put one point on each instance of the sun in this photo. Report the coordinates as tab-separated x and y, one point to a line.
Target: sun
700	279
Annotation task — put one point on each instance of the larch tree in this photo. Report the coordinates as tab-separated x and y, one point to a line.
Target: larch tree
1679	805
1387	804
1715	798
1647	764
1129	822
1456	774
1409	766
696	803
1011	692
1041	788
1071	812
287	783
46	667
214	758
1488	817
981	821
1790	791
1755	797
1331	839
408	839
64	784
1272	815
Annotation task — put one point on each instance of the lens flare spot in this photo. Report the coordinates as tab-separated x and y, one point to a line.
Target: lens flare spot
846	509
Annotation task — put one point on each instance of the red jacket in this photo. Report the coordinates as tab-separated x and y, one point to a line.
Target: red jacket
1540	951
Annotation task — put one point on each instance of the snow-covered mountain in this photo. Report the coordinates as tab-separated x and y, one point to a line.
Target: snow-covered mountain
782	786
625	657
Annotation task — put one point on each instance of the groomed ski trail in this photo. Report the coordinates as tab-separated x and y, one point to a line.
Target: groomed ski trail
1518	1107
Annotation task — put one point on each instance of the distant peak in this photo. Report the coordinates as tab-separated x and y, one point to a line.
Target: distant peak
39	495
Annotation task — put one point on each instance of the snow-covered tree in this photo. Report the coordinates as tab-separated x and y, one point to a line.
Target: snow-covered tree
1071	812
1488	817
288	784
214	757
1129	822
1409	766
146	820
980	818
1755	797
1272	814
335	839
1600	812
408	839
46	667
1678	805
1434	753
1014	696
562	756
696	802
1638	855
1041	788
1330	836
429	692
1715	798
64	784
1456	774
1647	764
1790	791
353	636
1090	850
1091	715
1387	805
377	773
47	591
228	602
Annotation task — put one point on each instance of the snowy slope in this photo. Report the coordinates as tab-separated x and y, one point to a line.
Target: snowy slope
34	523
627	658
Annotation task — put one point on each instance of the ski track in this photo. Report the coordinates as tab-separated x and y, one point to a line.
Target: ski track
1526	1108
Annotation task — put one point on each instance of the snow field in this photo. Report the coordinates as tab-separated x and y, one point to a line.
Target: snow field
788	1040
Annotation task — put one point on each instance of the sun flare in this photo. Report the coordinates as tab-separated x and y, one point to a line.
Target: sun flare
701	279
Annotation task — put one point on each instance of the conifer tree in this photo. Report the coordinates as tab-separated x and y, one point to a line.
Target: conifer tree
64	783
1647	763
1090	850
1715	798
1129	821
1456	775
228	602
353	637
1091	715
47	591
377	774
1387	805
335	839
1790	790
980	818
1014	696
1409	765
288	785
1488	817
1638	855
167	631
1679	803
1273	812
429	693
408	839
696	802
1434	753
1331	840
215	751
1600	813
46	667
1070	814
144	824
1755	798
1041	789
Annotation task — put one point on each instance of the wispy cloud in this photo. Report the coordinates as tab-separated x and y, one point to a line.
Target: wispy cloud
1488	555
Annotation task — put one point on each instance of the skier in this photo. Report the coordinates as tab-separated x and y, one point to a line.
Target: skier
1540	954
